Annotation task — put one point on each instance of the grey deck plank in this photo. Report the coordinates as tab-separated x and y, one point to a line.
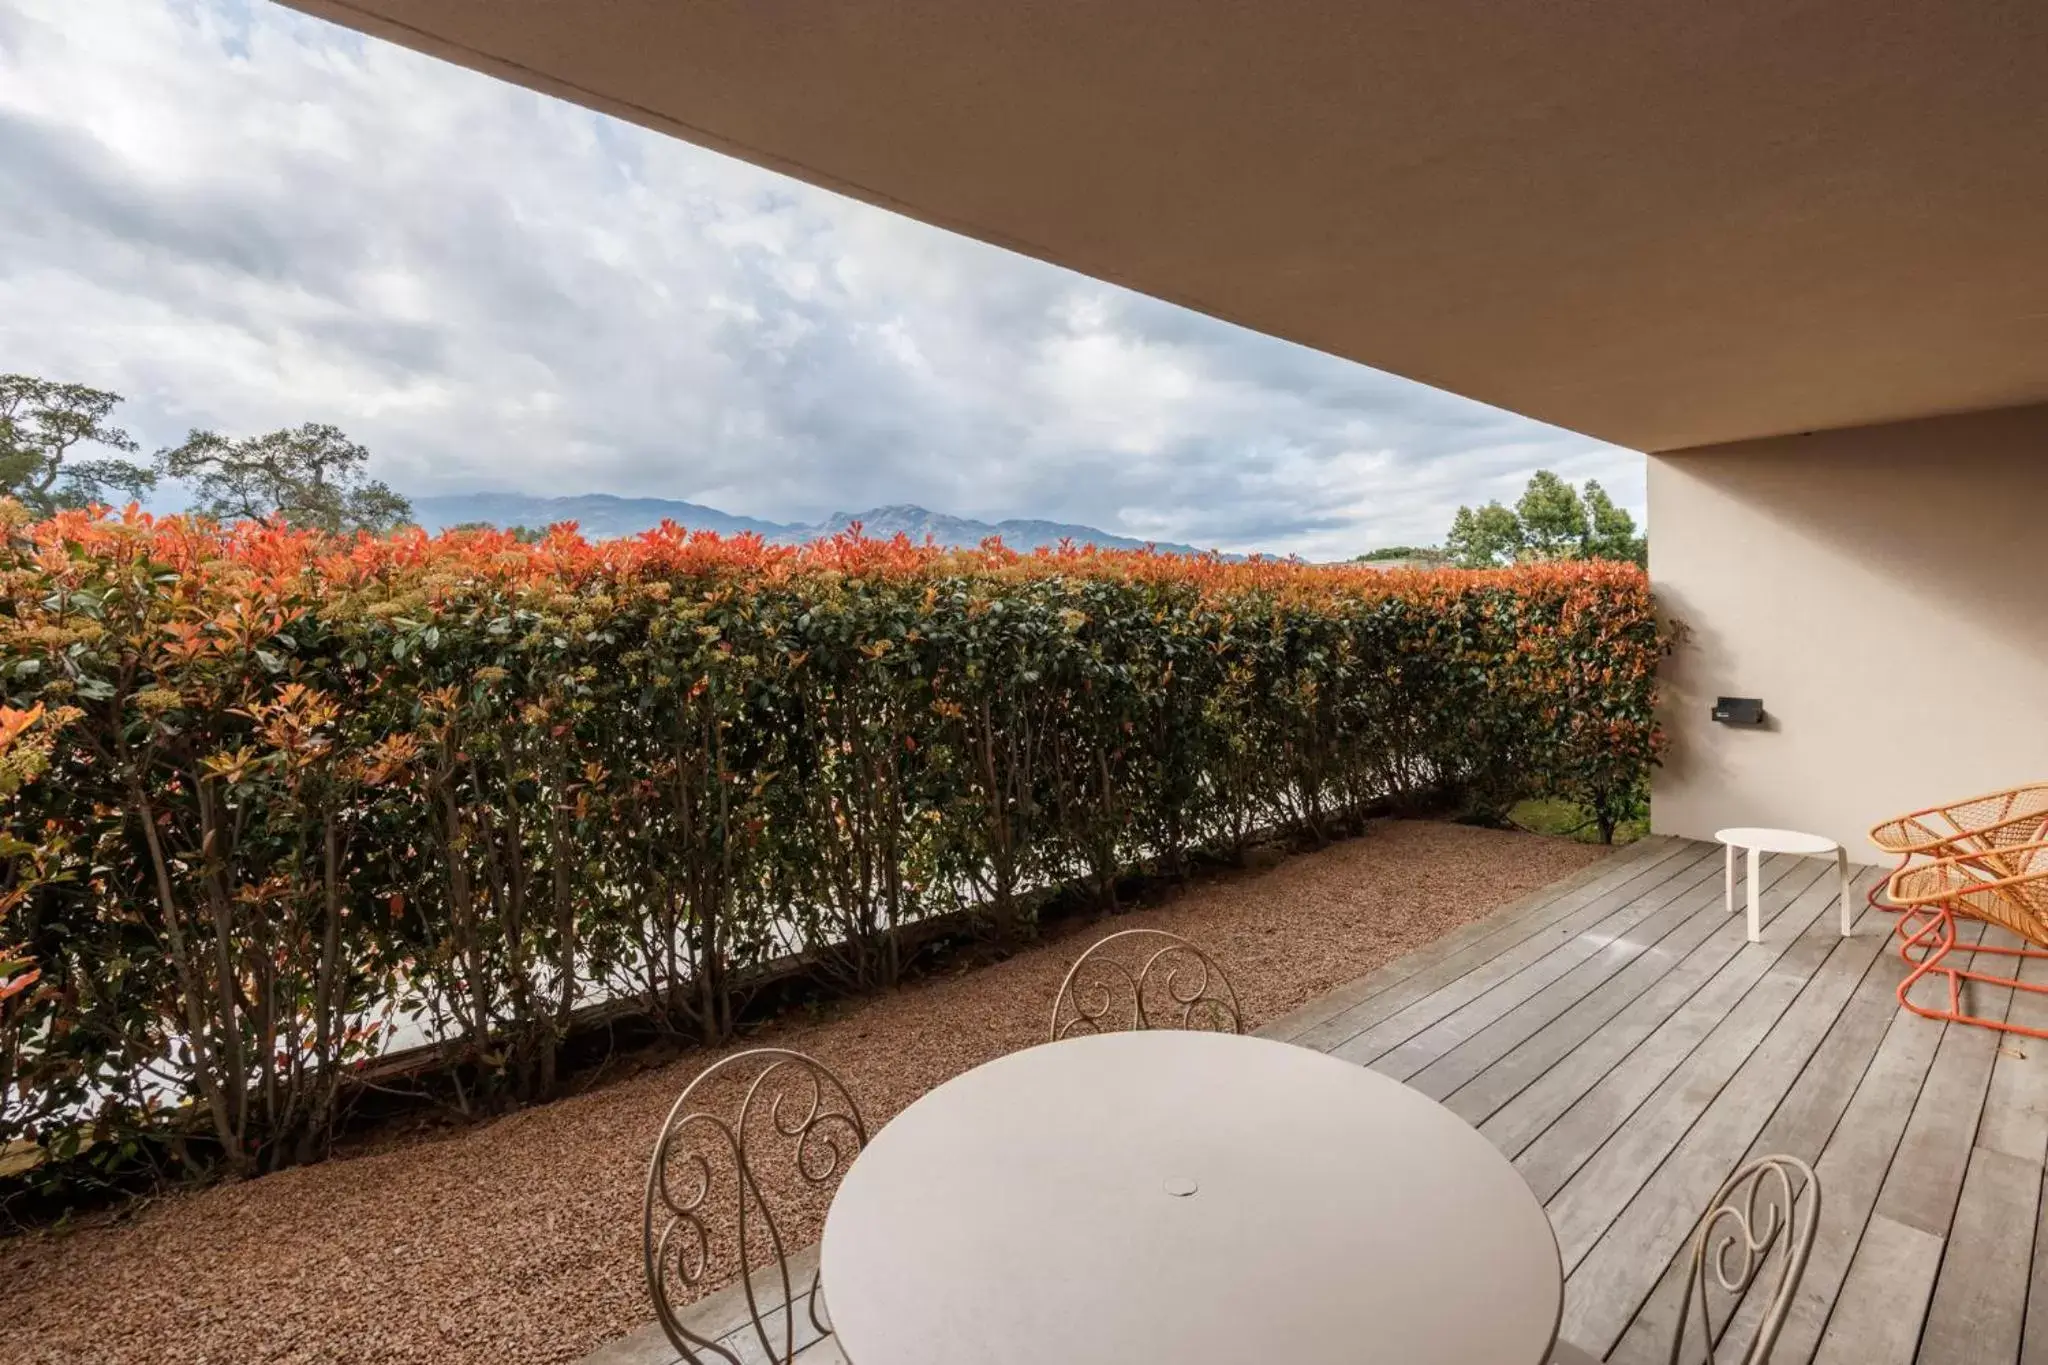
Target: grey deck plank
1556	922
1520	1096
1928	1172
1566	940
1550	1158
1621	1268
1854	1164
1592	993
1801	1126
1978	1313
1565	974
1291	1026
2034	1342
2016	1107
1884	1296
1735	1076
1877	1319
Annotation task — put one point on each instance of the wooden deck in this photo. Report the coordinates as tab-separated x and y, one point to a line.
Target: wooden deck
1616	1036
1620	1041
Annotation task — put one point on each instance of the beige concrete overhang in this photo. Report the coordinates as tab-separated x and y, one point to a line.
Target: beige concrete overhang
1665	223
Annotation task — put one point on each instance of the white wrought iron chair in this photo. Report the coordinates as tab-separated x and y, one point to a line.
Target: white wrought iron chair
709	1213
1771	1206
1145	979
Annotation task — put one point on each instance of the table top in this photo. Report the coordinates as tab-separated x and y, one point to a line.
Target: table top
1776	840
1199	1198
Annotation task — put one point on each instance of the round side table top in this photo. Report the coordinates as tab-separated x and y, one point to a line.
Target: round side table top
1199	1198
1777	840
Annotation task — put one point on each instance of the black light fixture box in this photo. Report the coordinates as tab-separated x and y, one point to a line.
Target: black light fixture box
1739	710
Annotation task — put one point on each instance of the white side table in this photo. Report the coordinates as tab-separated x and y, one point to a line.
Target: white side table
1761	841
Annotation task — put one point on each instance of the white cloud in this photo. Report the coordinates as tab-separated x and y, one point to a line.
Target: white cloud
241	217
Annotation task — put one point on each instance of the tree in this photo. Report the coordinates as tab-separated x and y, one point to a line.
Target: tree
41	422
1551	520
1613	531
525	535
310	475
1483	538
1426	554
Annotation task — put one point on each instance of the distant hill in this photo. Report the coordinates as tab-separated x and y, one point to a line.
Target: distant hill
601	516
917	523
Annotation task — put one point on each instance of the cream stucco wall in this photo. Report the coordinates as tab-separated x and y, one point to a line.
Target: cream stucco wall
1885	591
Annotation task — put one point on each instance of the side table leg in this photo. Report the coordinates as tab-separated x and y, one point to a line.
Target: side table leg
1756	913
1842	869
1728	892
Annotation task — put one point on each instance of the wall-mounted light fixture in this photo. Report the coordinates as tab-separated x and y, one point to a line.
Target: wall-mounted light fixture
1739	710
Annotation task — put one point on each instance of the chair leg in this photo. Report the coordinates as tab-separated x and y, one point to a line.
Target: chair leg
1842	873
1871	897
1927	937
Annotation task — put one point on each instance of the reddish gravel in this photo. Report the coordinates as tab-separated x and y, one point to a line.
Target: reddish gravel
518	1240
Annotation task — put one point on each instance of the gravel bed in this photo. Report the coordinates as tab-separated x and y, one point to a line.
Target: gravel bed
517	1240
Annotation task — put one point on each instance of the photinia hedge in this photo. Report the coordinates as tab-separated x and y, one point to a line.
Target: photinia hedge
269	794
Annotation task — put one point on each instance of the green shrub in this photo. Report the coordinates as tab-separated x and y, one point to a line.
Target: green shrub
301	787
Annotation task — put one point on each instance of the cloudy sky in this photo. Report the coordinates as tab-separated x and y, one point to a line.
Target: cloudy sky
241	218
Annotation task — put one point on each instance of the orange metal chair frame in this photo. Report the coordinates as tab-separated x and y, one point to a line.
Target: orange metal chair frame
2005	885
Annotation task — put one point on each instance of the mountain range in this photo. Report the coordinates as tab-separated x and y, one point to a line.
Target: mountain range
602	516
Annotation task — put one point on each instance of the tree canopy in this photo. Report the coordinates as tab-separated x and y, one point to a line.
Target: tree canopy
42	422
1484	536
1551	520
1428	554
525	535
311	475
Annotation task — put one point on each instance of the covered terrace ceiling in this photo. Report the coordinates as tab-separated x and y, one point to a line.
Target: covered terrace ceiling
1664	223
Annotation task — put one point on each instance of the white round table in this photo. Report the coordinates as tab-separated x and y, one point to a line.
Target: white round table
1760	841
1198	1198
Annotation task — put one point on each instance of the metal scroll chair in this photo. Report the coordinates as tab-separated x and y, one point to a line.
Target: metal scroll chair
714	1208
1768	1210
1145	979
2006	886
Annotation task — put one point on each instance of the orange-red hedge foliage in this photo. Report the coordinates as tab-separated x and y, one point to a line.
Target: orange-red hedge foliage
304	791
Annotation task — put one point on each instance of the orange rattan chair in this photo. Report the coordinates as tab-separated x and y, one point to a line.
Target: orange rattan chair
1981	824
2004	884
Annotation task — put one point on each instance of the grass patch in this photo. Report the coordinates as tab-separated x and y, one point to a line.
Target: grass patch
1569	820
